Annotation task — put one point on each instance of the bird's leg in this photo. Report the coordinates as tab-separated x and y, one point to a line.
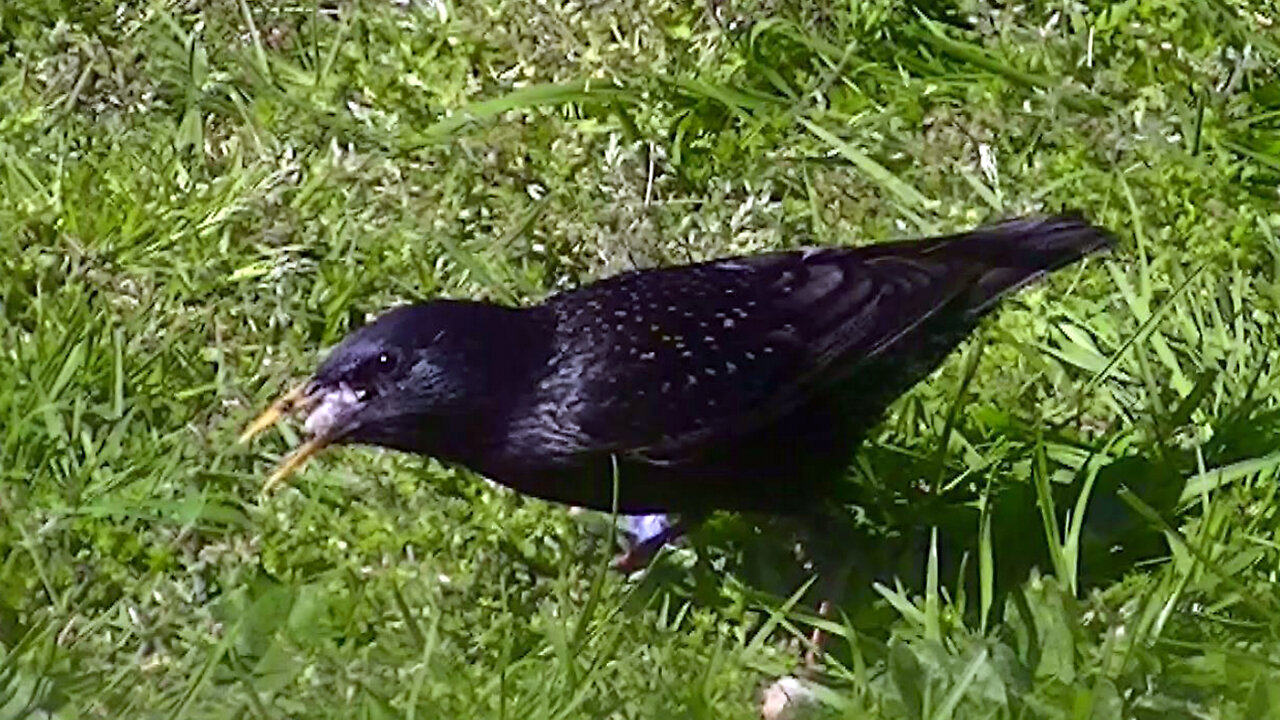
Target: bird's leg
825	551
642	552
817	639
787	696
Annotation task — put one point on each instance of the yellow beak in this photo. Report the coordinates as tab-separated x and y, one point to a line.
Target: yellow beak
294	461
274	413
294	400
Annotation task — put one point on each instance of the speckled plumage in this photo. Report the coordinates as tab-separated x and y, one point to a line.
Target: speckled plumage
739	384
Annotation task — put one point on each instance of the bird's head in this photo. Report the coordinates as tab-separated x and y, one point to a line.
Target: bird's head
390	382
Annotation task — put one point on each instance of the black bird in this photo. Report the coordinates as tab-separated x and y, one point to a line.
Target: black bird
740	384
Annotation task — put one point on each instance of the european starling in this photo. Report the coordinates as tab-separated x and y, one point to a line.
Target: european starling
740	384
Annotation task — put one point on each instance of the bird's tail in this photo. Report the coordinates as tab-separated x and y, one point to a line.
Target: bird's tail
1011	254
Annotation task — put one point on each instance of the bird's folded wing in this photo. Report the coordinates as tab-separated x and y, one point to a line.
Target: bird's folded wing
660	365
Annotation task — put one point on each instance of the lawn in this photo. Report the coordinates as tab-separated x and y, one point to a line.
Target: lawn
1074	518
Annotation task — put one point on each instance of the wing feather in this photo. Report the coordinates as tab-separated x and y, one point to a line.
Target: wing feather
697	355
660	364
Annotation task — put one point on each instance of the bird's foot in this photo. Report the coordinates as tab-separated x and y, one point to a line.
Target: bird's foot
652	533
642	552
817	641
789	697
632	560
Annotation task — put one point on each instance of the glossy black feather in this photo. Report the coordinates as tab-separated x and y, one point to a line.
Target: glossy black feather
742	383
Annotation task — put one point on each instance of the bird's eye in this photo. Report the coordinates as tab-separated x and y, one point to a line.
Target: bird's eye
374	369
386	362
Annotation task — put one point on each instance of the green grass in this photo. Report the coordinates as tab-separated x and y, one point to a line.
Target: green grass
1075	518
